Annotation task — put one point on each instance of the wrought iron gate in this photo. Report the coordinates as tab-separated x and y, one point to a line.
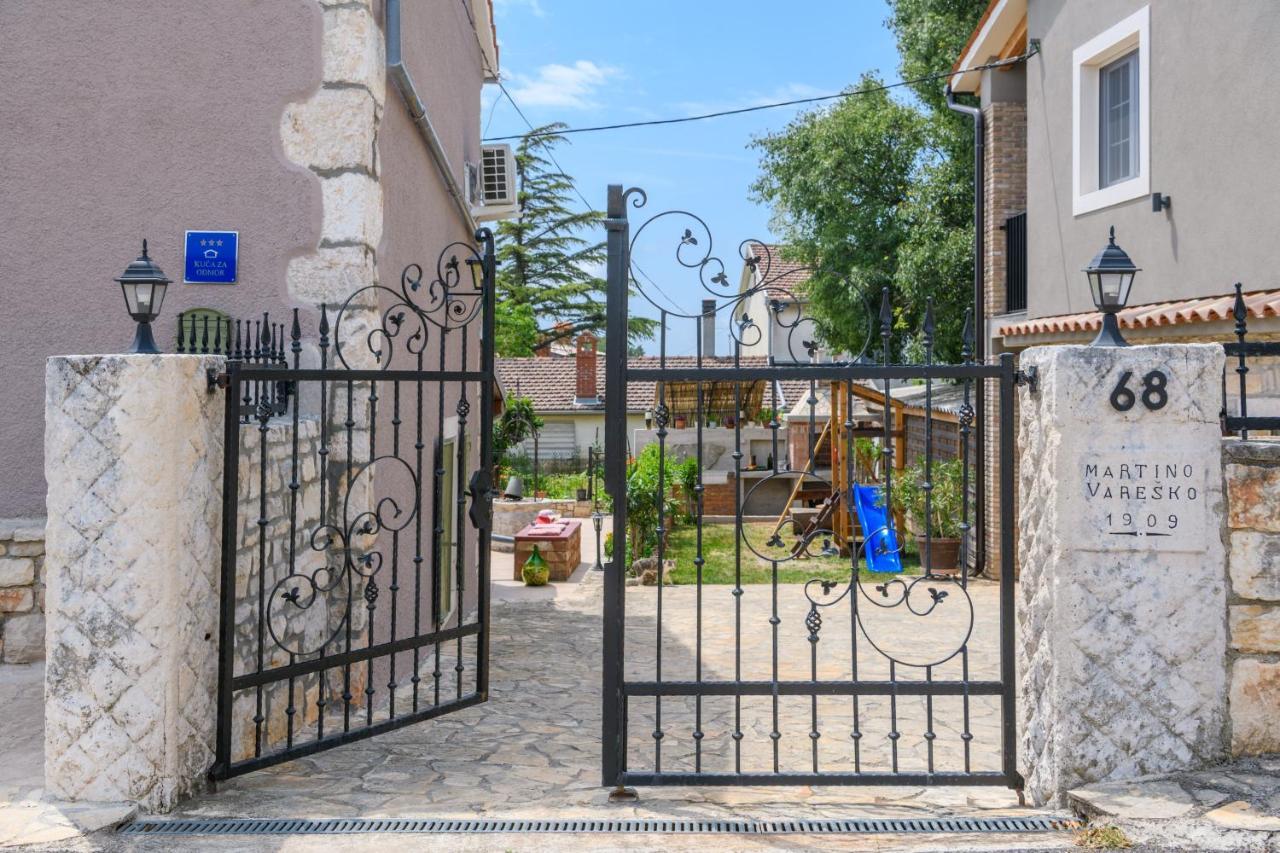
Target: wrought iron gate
354	595
837	678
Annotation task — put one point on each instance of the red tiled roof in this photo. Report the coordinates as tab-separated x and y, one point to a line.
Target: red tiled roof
550	382
775	272
1206	309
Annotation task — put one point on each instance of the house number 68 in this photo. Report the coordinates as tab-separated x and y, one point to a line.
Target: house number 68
1154	396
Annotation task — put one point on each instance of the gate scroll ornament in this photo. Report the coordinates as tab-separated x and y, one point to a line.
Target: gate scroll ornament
354	567
921	652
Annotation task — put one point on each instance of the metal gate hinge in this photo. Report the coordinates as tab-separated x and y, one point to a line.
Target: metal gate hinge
216	379
1029	377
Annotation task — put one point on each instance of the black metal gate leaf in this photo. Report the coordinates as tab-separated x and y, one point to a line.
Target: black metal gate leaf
834	680
354	577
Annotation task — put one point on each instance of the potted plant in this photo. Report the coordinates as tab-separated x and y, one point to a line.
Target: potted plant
940	551
681	421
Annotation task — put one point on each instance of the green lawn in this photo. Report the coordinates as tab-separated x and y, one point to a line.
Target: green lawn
718	554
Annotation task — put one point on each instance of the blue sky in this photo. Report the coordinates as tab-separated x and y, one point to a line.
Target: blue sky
588	62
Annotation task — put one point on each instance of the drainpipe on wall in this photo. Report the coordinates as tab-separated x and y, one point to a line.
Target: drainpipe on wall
418	112
979	313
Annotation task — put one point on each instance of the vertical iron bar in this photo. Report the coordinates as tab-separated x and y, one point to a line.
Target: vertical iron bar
418	446
698	559
1241	313
485	402
322	463
737	554
927	485
394	589
662	535
230	539
894	734
296	346
1007	665
856	734
460	504
347	568
966	543
613	732
437	522
371	584
258	717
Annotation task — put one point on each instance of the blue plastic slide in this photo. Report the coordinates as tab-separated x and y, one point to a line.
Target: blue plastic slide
880	539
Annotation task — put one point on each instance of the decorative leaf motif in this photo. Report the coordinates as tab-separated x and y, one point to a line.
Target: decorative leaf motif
720	278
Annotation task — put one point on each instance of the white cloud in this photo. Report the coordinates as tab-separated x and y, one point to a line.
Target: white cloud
788	92
565	86
534	7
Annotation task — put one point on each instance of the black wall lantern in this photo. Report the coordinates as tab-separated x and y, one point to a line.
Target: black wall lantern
1111	274
144	284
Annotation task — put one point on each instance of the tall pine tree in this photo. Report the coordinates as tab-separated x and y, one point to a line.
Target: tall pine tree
547	290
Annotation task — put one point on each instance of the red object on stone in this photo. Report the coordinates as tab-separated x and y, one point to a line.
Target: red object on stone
560	543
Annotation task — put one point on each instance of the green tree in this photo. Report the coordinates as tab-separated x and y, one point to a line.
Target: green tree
545	290
877	191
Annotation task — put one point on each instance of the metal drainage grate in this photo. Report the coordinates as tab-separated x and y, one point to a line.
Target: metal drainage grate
860	826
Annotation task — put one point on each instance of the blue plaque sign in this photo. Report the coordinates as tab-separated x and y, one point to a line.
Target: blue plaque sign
212	257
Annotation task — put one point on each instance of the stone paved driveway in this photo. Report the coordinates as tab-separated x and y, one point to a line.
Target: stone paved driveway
534	749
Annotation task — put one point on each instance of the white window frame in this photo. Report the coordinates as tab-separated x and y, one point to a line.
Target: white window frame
1134	32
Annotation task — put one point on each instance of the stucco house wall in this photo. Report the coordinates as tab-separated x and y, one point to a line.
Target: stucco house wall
1211	151
116	130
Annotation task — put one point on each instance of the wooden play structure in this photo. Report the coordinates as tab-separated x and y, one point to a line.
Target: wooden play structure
863	407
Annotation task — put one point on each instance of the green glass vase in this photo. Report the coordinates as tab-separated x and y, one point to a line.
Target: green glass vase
535	571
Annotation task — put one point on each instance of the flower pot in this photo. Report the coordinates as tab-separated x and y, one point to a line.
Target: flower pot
681	421
582	494
943	557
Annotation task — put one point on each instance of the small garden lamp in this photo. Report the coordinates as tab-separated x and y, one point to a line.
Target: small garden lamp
144	284
1111	274
597	521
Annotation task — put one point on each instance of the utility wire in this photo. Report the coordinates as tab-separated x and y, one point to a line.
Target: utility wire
941	75
533	134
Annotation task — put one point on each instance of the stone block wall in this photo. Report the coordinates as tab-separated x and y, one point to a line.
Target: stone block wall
272	541
1252	472
22	590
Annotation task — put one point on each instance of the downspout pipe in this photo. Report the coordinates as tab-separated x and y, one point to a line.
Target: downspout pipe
979	313
399	75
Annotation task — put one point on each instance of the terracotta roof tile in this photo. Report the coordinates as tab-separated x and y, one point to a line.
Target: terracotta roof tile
1206	309
550	382
777	273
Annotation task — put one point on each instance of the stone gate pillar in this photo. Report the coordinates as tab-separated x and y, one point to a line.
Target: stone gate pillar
133	459
1122	640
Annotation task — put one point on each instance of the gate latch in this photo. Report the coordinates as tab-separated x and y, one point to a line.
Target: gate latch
1029	377
480	489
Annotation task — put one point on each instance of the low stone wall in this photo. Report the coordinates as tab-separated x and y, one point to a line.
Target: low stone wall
1252	471
22	590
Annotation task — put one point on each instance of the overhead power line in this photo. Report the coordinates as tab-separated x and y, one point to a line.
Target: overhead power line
941	75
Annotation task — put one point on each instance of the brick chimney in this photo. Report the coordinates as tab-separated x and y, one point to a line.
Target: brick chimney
585	363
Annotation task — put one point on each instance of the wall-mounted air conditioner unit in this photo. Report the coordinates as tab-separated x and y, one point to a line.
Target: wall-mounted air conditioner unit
491	184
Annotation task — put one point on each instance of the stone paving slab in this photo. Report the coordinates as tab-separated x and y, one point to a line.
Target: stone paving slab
1233	807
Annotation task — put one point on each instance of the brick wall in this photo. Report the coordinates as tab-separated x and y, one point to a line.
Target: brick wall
1005	191
22	590
1252	471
